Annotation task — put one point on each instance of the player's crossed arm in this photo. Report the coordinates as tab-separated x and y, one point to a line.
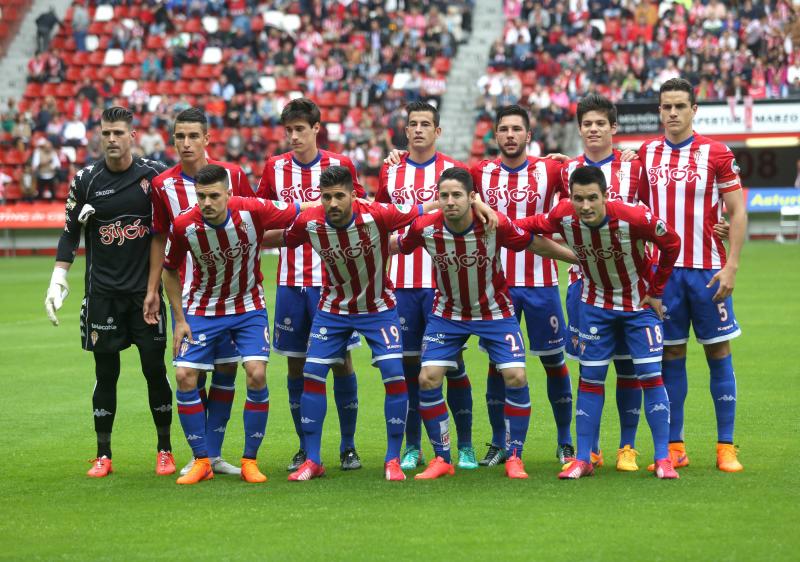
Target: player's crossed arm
548	248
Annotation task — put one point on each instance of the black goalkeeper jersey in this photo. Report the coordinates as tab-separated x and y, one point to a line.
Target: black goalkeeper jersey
117	235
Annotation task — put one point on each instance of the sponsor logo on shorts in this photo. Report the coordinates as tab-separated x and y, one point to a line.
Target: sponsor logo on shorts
103	327
435	338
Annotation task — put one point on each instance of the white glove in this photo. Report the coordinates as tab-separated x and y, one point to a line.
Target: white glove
86	212
56	293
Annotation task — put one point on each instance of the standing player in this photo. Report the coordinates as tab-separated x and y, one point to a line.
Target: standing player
352	239
226	300
518	186
173	194
409	182
111	198
597	123
294	178
620	299
688	177
471	298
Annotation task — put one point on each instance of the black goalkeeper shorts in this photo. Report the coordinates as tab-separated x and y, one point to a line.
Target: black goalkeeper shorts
111	324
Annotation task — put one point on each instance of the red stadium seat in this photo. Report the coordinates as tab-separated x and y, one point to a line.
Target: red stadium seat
65	90
33	90
327	99
193	25
200	87
13	192
154	43
81	58
49	89
96	58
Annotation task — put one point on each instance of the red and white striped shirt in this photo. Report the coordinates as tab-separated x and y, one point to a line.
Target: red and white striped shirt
411	183
684	187
286	179
613	256
470	283
173	194
528	190
227	258
622	178
354	255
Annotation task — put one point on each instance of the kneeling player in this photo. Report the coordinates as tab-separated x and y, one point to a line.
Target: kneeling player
620	300
471	298
223	235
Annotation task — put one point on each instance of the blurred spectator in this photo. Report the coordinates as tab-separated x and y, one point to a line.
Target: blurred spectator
45	165
152	69
74	132
80	25
89	91
27	183
45	24
151	142
234	145
356	153
94	148
9	115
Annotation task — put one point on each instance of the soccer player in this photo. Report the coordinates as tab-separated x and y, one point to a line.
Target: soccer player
688	177
352	238
294	177
173	194
226	300
411	181
597	123
620	299
471	298
111	199
519	185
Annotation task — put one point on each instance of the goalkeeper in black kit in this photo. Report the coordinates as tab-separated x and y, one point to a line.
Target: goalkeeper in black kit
110	199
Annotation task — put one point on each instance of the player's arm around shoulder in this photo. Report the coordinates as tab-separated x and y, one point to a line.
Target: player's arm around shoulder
412	238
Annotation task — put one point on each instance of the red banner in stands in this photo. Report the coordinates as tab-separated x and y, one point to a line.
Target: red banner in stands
32	215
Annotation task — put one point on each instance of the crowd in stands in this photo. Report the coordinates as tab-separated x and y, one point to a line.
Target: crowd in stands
240	60
553	52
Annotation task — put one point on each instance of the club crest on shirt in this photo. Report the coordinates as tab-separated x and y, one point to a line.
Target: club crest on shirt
698	156
622	177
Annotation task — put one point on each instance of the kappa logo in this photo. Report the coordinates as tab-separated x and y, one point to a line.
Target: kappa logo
192	437
660	407
102	412
581	413
294	406
564	400
257	435
494	402
351	406
220	429
307	420
163	409
727	398
463	412
634	411
396	421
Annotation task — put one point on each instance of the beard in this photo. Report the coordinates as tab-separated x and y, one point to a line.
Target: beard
520	150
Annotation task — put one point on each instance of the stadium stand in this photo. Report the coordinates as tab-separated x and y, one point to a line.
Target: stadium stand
241	60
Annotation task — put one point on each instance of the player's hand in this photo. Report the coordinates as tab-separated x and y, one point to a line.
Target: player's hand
557	156
485	214
655	304
56	293
394	157
181	333
628	155
86	212
152	308
722	229
727	279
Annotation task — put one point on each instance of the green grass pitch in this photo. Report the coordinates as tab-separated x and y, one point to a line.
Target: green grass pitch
51	510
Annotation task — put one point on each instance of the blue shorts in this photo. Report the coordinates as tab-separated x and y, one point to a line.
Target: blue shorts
601	329
249	331
413	307
331	334
295	308
574	314
502	339
688	301
224	350
544	318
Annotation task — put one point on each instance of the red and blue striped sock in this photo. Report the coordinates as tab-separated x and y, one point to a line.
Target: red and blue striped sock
459	399
193	421
345	394
588	412
256	412
517	412
395	407
434	414
629	402
218	410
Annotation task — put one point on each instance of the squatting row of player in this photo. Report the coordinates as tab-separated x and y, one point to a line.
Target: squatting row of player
472	254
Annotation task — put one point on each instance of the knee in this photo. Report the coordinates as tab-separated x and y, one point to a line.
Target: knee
228	369
295	367
256	374
430	378
716	351
341	369
186	379
672	352
515	378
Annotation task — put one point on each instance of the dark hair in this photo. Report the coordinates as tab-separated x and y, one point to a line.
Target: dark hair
423	106
303	109
117	113
211	173
596	102
193	115
336	176
507	110
677	85
586	175
460	175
